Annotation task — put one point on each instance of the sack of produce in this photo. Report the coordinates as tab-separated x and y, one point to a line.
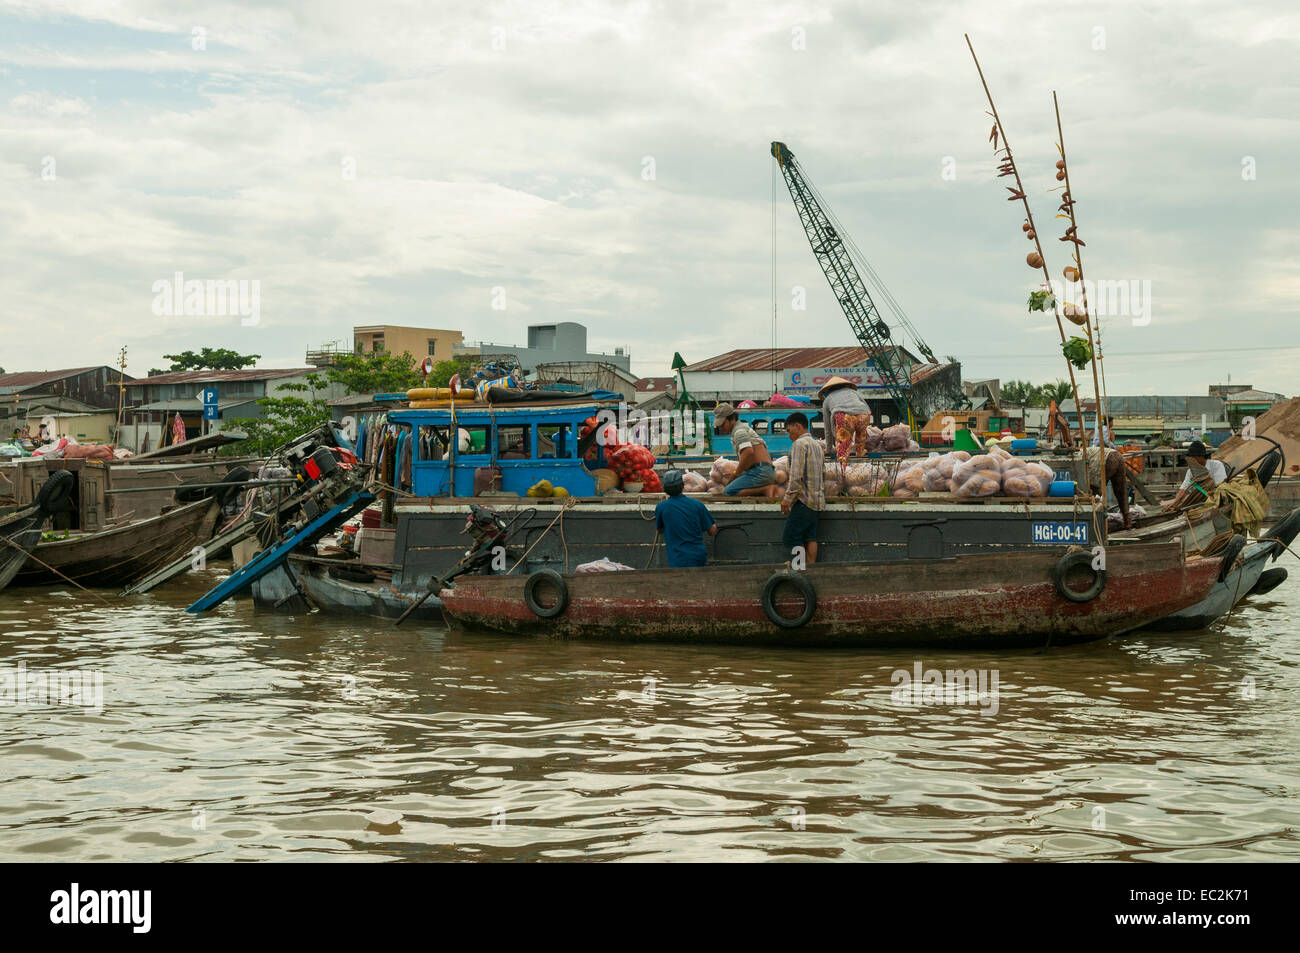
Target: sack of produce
782	467
724	471
693	482
976	477
873	439
950	460
895	438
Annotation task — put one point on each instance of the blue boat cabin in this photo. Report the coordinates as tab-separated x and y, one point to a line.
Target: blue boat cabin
527	443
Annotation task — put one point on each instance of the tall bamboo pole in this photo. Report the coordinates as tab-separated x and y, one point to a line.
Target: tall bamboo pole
1078	262
1019	192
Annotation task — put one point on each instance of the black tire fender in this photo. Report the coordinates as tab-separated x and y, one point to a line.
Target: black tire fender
530	593
801	583
1268	467
233	482
1284	531
1230	554
1269	580
1075	560
56	491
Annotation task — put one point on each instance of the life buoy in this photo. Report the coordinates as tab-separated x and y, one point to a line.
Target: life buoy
1230	554
530	593
1284	531
1078	560
806	590
56	491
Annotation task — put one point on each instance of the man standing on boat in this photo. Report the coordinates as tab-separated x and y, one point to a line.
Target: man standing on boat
1203	475
845	417
683	521
755	473
805	492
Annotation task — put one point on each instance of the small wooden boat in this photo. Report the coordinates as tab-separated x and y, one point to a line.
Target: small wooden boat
1014	599
1238	579
121	554
339	586
19	533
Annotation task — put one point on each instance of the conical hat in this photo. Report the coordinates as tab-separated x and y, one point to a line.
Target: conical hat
833	383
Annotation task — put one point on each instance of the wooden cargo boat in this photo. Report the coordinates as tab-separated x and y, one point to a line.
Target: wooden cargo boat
121	554
1015	599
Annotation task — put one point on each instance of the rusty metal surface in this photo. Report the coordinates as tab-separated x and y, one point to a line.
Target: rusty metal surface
964	601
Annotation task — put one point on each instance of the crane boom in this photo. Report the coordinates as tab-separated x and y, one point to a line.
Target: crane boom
847	284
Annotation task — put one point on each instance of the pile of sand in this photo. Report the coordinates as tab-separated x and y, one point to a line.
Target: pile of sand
1280	423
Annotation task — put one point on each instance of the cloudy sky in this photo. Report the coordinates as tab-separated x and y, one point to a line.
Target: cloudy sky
609	163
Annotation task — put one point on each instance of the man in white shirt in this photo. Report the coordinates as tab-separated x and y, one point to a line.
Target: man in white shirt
1107	432
1203	475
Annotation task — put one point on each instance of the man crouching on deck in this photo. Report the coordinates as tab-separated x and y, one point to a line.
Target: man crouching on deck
754	473
805	492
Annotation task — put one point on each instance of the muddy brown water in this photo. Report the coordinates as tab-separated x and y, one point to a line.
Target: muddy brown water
248	735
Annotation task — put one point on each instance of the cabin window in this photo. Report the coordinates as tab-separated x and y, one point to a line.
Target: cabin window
434	443
476	437
818	428
760	426
555	441
778	426
513	442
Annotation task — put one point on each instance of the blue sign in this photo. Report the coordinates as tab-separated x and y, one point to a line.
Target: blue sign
210	412
209	397
1062	532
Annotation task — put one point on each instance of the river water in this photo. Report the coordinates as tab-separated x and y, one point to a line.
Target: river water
249	735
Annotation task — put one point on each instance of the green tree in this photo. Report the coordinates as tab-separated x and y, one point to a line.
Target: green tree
1058	391
444	371
285	417
217	359
1017	392
375	372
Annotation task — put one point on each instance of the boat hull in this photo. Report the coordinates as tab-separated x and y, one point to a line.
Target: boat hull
966	601
20	531
117	557
1236	586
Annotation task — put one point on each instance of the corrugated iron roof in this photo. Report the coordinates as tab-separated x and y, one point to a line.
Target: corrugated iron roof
213	377
765	358
655	383
19	379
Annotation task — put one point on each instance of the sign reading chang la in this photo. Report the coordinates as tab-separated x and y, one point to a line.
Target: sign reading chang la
810	379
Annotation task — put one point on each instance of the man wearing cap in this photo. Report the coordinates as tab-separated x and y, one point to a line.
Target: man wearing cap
1203	475
845	417
755	473
683	521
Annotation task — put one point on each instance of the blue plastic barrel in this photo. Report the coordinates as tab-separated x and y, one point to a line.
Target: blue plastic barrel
1027	444
1061	488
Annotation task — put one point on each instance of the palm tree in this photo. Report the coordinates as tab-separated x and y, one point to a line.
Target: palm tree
1058	391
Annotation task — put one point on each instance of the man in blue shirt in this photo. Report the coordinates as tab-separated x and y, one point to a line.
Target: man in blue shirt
683	521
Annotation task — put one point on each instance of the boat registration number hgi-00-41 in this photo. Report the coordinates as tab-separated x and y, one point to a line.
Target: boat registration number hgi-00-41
1060	532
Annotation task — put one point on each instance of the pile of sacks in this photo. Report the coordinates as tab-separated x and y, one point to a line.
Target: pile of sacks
634	464
969	477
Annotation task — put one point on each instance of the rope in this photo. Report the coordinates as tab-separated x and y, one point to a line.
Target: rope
559	516
55	571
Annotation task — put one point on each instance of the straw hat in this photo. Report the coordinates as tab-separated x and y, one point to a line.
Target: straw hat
832	384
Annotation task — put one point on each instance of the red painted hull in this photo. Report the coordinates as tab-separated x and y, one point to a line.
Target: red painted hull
971	601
